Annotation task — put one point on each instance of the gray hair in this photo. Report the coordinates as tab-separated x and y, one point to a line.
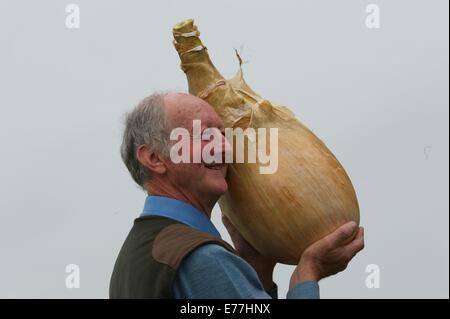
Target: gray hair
147	125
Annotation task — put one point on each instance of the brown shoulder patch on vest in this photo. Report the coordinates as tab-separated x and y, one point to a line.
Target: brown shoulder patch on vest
176	241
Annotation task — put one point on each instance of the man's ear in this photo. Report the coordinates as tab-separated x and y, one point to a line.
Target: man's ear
150	160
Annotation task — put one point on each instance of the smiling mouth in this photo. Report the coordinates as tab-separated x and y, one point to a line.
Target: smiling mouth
215	166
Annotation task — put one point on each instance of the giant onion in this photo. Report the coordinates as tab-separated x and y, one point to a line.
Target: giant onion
310	194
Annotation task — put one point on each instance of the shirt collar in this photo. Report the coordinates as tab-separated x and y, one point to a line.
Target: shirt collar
179	211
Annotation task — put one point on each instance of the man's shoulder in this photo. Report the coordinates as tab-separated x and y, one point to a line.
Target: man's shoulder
212	251
176	242
210	255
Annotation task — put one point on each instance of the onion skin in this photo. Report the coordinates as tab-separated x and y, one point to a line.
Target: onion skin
308	197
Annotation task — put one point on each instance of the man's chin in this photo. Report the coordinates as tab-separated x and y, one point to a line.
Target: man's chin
218	187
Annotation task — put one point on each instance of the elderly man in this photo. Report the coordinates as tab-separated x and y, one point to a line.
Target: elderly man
173	250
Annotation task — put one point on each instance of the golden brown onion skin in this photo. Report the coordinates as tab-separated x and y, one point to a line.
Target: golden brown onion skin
309	196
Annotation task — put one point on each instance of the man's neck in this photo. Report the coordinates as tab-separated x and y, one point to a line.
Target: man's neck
202	205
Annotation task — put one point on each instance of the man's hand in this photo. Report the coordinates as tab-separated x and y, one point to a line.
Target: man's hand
262	265
329	255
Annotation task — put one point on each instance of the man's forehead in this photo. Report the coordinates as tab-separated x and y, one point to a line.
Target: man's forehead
182	109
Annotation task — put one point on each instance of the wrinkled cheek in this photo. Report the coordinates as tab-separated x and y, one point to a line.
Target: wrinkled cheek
195	151
186	171
195	171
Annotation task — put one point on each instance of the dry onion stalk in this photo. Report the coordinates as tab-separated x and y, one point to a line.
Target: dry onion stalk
310	194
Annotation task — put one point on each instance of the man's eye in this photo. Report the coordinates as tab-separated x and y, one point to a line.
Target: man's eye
210	133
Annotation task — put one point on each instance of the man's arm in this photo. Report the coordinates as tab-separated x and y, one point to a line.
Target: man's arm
329	255
211	271
323	258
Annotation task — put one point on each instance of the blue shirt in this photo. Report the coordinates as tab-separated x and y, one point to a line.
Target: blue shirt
211	271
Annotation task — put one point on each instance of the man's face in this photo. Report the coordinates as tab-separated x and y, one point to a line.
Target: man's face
201	180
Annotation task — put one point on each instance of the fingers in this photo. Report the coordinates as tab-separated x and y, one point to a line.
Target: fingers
225	219
228	225
356	245
226	222
343	234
